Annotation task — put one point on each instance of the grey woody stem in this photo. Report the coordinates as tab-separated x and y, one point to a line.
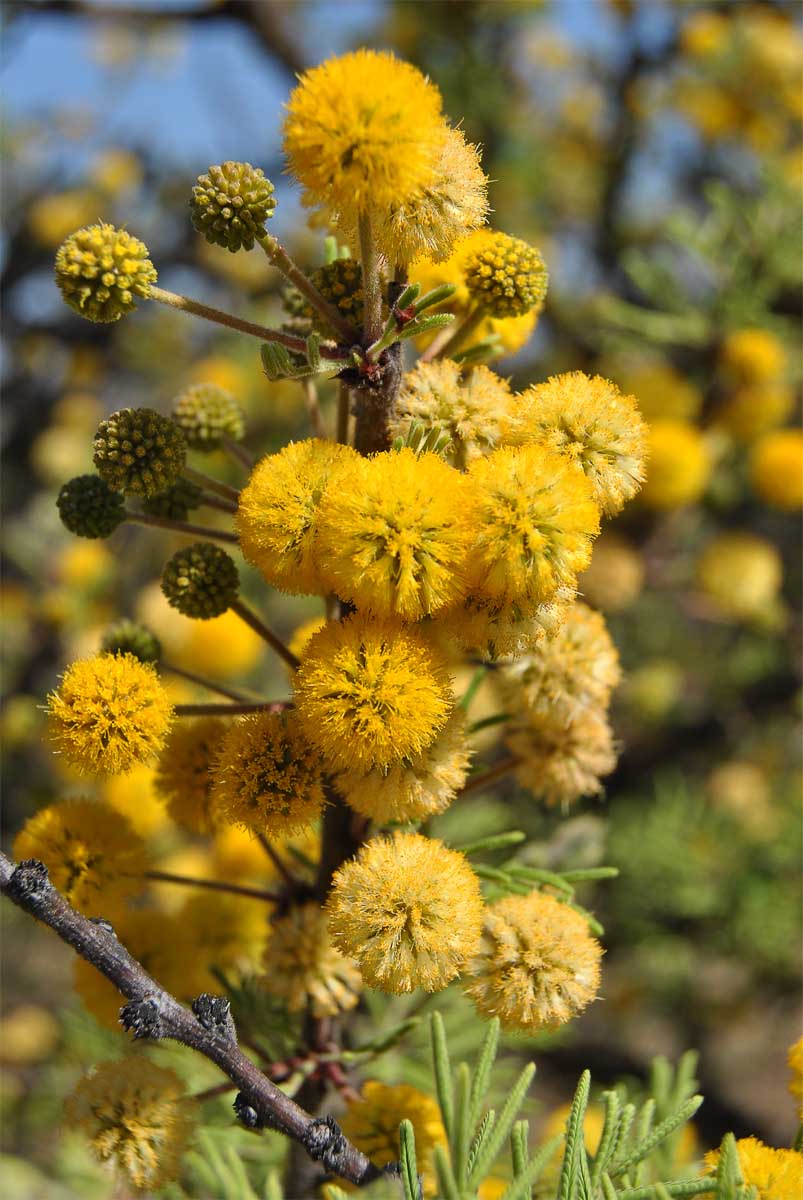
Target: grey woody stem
213	485
282	260
151	1012
217	502
263	332
259	626
372	292
217	535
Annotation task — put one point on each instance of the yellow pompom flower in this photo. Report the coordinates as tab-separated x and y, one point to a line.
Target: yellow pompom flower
679	465
224	931
742	574
409	910
185	772
534	524
100	270
537	965
775	1174
589	421
795	1061
576	668
561	759
278	511
137	1118
416	788
92	854
749	412
393	534
363	132
471	408
369	693
372	1124
776	469
439	214
304	969
614	578
505	276
109	713
750	356
495	629
266	777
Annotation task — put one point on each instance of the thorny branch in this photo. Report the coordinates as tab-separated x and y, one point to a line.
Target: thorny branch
151	1012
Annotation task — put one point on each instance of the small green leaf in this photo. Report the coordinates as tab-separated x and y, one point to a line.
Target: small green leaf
494	1142
482	1071
657	1135
446	1180
407	1161
519	1140
521	1187
438	295
570	1170
494	841
443	1071
461	1139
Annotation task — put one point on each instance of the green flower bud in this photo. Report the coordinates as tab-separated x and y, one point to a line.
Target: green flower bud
139	452
201	581
176	503
99	271
231	203
127	637
340	282
207	414
89	507
505	276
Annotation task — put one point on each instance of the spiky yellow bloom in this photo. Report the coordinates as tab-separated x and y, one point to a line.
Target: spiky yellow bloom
742	574
363	132
157	941
369	693
393	534
576	668
776	469
795	1061
748	412
372	1124
184	774
562	759
137	1118
589	421
304	969
679	465
615	576
224	931
266	777
409	910
472	409
537	965
109	713
534	524
100	270
417	787
278	510
92	854
495	629
752	356
775	1174
439	214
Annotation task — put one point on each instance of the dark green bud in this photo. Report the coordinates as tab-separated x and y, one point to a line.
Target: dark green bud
231	203
139	452
207	413
177	502
339	282
127	637
89	507
201	581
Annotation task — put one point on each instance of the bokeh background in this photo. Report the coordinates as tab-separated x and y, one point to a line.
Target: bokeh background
653	151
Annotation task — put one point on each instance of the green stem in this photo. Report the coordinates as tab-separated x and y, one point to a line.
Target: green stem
372	292
281	259
263	332
213	485
258	626
218	535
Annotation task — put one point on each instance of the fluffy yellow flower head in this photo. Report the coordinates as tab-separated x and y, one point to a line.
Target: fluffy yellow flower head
92	854
224	931
266	777
304	969
750	411
393	534
679	465
752	356
472	408
110	713
615	576
562	759
416	788
576	668
439	214
184	774
776	469
369	693
533	529
363	132
593	424
495	629
137	1118
278	511
775	1174
537	965
372	1124
409	910
742	574
795	1061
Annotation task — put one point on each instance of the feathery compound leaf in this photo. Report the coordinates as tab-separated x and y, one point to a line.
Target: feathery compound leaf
482	1071
407	1161
570	1170
463	1125
276	361
609	1192
438	295
585	874
519	1140
521	1187
494	841
673	1122
729	1171
443	1071
644	1122
496	1139
679	1187
387	1040
484	1132
608	1137
446	1180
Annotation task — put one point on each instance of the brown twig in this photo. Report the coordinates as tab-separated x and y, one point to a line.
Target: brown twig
497	771
217	535
210	684
278	861
258	626
230	710
215	885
